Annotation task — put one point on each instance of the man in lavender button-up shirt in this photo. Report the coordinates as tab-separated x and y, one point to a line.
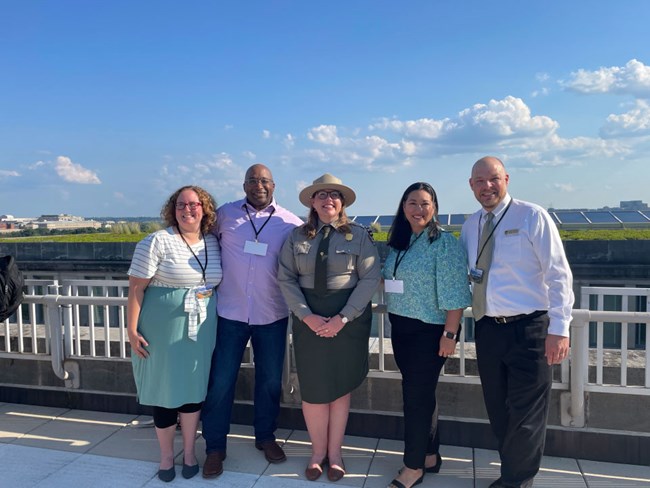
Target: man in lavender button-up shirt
250	305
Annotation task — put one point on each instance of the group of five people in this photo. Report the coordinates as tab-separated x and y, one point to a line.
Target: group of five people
187	341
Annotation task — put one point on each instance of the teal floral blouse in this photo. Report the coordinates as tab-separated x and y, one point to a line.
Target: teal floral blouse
434	276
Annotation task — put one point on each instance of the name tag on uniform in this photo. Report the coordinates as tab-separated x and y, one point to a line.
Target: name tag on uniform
394	286
257	248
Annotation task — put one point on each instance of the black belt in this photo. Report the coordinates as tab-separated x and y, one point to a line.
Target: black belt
514	318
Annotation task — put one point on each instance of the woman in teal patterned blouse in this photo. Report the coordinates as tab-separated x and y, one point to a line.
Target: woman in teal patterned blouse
425	278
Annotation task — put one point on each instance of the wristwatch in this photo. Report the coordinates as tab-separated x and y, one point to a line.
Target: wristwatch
450	335
344	319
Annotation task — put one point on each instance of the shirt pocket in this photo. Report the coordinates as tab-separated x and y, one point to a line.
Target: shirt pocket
345	257
300	255
510	245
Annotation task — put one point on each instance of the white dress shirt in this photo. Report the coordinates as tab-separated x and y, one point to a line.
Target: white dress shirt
529	269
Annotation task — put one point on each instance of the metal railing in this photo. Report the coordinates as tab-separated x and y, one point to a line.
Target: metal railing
87	318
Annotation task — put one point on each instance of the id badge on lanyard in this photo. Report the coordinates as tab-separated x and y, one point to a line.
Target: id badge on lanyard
256	248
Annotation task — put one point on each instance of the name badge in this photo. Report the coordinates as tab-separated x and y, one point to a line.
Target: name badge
394	286
257	248
203	292
476	275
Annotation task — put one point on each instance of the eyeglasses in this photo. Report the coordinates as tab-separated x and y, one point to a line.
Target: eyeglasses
256	181
422	206
192	205
322	195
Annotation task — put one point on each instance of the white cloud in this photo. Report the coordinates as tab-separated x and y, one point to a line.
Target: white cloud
36	165
632	79
505	127
228	127
289	141
495	121
324	134
540	93
266	134
633	123
8	174
564	187
75	173
217	174
301	184
250	155
363	152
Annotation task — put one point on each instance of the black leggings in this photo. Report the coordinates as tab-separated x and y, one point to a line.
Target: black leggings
166	417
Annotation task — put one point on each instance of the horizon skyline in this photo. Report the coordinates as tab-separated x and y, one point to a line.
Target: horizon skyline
108	108
351	215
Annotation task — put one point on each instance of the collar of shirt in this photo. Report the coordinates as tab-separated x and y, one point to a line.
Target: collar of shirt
498	210
336	224
252	210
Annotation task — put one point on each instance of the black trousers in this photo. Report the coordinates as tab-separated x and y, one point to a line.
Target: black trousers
415	348
516	382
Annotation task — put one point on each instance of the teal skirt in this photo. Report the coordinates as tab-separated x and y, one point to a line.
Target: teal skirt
329	368
178	368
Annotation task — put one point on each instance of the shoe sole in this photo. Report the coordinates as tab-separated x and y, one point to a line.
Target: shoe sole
212	475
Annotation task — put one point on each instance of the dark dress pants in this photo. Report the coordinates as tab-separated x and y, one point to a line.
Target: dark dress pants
415	348
516	382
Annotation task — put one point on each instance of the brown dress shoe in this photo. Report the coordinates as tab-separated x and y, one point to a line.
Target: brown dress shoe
272	451
213	466
312	474
335	473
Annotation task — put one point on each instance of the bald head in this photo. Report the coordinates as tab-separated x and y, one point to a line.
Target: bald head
487	162
259	186
257	167
489	182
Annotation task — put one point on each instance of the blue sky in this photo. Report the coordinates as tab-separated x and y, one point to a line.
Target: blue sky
106	107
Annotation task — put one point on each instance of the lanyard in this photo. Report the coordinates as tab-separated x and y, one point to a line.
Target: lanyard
205	246
478	256
400	256
250	219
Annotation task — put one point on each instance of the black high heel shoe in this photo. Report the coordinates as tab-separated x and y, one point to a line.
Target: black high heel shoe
436	467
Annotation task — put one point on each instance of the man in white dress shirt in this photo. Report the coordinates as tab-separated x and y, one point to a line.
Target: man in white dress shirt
522	300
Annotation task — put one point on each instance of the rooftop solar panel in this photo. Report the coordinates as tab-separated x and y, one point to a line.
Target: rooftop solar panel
600	217
554	217
365	219
630	216
571	217
385	220
457	219
443	219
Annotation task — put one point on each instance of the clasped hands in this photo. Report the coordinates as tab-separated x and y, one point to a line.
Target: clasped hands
324	326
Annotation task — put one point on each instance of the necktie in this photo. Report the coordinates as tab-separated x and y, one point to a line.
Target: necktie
320	271
485	248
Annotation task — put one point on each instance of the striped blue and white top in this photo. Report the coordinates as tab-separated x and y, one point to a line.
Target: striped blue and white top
164	257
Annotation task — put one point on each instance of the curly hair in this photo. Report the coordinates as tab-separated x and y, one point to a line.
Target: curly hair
399	234
310	227
208	204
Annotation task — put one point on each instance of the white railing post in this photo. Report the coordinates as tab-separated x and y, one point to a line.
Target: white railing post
579	367
54	324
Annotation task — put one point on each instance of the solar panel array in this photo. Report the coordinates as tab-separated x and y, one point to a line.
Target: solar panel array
587	218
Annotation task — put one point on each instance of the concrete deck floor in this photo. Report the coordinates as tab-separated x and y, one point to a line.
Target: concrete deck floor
57	447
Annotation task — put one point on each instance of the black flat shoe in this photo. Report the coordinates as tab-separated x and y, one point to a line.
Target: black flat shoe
436	467
190	471
167	475
399	484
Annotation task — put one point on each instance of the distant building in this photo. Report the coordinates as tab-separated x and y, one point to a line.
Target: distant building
48	221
